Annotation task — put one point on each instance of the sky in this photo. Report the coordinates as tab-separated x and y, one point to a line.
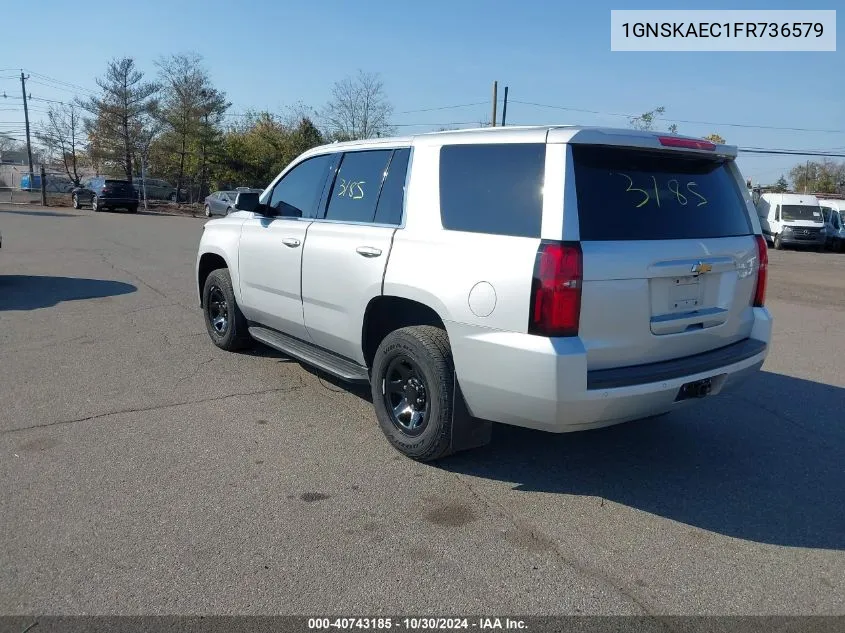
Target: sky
271	54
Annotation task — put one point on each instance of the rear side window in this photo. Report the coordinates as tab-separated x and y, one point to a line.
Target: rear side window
495	188
357	186
392	198
630	194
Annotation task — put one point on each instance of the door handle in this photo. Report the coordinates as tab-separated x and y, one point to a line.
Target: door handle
291	241
368	251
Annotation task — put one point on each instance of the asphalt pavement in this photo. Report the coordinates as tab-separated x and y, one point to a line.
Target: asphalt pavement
144	471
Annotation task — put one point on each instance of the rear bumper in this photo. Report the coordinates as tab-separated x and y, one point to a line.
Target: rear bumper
117	202
544	384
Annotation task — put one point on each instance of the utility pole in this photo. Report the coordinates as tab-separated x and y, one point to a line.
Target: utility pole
505	107
43	187
807	176
495	98
26	119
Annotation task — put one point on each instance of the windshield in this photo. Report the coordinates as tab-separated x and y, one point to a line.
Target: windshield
790	212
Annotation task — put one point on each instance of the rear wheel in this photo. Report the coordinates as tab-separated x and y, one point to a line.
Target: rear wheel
74	199
228	210
224	321
207	211
173	197
133	208
95	204
777	243
412	384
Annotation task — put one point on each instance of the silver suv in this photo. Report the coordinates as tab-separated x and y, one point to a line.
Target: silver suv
557	278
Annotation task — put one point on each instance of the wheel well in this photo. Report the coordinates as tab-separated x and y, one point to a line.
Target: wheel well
208	262
386	314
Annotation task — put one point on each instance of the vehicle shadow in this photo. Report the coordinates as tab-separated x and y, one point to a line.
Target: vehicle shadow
30	292
49	214
765	465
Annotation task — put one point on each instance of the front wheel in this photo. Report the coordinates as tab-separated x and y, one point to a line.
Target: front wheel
228	210
224	321
172	197
777	243
413	390
95	204
74	200
207	211
133	208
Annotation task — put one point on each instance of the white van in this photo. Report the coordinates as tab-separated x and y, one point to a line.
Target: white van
791	219
834	219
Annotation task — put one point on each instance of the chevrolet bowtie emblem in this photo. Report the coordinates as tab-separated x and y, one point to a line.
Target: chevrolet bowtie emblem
701	268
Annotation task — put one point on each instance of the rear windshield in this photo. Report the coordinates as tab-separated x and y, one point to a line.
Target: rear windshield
117	182
801	212
632	194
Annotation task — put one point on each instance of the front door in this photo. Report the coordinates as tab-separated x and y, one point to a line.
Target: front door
271	246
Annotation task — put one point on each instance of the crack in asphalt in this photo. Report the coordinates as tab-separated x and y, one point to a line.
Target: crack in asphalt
132	275
545	541
195	372
153	408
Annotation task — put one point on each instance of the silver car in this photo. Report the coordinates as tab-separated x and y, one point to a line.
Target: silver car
556	278
220	203
156	189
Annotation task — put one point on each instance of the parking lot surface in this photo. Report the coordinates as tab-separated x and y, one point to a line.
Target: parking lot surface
144	471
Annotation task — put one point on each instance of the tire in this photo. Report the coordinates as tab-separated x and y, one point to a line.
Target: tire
74	201
228	210
777	243
218	300
95	204
409	358
132	209
207	211
172	197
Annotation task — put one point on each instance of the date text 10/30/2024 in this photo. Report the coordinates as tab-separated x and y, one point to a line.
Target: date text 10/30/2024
417	624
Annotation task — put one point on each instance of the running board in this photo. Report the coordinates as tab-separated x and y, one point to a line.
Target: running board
311	354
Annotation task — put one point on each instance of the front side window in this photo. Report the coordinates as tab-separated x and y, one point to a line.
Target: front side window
298	193
493	188
357	186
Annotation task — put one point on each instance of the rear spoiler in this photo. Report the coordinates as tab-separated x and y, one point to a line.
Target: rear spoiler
644	140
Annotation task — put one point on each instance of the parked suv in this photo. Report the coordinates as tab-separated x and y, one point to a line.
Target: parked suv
104	193
557	278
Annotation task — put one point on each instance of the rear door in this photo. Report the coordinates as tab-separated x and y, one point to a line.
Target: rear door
669	253
346	251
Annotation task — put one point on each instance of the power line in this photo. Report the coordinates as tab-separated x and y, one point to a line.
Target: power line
449	107
687	121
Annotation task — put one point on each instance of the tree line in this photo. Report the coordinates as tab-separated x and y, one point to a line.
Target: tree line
178	125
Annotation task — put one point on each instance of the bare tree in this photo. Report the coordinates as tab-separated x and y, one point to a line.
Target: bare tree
358	108
118	113
63	133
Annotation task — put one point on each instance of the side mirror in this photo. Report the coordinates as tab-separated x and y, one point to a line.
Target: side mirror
248	201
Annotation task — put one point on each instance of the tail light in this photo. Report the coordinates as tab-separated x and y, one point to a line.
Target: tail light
762	272
556	290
